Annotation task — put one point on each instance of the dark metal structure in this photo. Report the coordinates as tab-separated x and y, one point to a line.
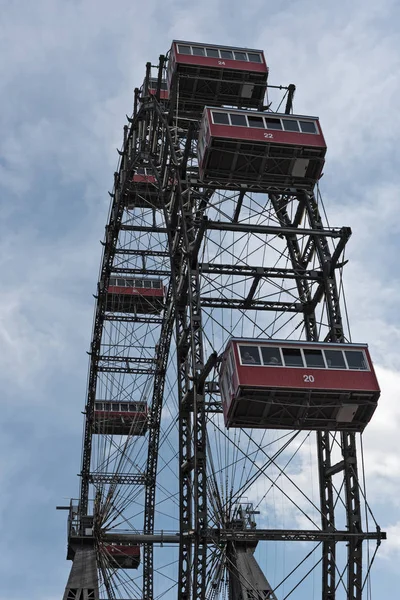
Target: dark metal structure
176	505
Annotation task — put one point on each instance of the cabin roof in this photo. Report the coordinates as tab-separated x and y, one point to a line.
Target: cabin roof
297	342
258	113
225	46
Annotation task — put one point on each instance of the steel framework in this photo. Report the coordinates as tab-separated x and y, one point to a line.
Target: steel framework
236	259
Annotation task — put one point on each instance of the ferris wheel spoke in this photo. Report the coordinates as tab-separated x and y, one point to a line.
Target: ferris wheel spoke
262	471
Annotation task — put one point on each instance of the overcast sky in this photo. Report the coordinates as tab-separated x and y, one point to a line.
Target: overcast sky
67	73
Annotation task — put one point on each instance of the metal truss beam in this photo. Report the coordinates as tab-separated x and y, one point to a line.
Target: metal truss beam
186	208
240	304
126	359
118	478
130	370
332	232
143	253
144	229
353	516
230	535
144	271
245	186
132	319
265	272
111	238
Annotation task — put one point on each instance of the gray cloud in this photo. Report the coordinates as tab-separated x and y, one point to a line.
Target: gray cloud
66	82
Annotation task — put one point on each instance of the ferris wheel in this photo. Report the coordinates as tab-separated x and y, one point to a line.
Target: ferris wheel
225	395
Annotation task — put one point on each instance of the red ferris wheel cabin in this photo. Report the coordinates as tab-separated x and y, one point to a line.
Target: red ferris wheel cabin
120	418
122	556
164	94
297	385
267	148
143	191
134	295
200	74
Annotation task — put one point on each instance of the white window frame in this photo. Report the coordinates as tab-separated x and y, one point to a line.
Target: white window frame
249	364
308	132
223	112
344	350
280	354
272	117
232	125
245	52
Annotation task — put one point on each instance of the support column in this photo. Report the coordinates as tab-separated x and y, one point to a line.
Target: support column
83	581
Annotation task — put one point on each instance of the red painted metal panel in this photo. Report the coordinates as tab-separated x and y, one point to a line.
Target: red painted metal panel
294	377
142	416
254	134
220	63
267	136
118	550
164	94
149	292
138	178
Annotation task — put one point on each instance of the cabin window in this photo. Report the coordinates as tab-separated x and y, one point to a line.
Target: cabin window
121	282
129	283
140	408
253	57
292	357
164	85
197	51
107	406
308	127
240	55
138	283
355	360
255	121
112	281
314	358
334	359
184	49
200	147
239	120
156	285
273	123
226	53
289	125
220	118
124	408
115	407
250	355
231	364
132	407
99	406
271	356
224	389
147	284
140	171
212	52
